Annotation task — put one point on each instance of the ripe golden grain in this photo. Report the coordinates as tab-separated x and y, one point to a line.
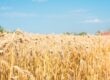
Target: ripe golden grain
26	56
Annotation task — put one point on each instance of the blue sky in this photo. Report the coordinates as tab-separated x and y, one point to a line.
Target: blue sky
55	16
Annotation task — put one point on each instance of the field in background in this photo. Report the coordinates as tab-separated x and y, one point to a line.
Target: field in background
25	56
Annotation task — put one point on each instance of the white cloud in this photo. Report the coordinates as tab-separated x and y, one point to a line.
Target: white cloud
40	1
18	14
95	20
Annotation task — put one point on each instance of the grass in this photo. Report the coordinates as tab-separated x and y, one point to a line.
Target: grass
26	56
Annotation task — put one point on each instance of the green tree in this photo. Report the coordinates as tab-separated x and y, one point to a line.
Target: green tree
68	33
83	33
98	33
2	29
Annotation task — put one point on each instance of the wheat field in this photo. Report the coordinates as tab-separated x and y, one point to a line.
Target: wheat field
27	56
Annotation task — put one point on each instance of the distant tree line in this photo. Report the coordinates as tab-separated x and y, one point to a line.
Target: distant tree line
2	29
84	33
71	33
